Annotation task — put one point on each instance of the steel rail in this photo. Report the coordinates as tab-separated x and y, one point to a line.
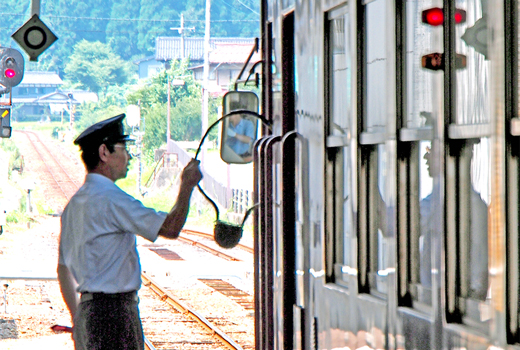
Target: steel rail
65	172
208	249
148	344
49	170
186	310
210	236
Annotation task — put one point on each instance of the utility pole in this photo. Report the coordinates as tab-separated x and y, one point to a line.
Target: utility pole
181	30
168	142
206	73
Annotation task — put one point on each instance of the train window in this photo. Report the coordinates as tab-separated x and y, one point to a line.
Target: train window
472	86
417	170
375	240
428	219
340	74
467	199
468	174
382	256
376	67
338	70
419	82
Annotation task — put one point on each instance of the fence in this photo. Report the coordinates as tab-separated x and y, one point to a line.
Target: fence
241	200
166	160
238	200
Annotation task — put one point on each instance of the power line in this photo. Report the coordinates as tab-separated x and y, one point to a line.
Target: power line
247	7
98	31
131	19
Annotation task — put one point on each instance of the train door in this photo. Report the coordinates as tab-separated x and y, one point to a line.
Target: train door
505	249
277	161
444	127
285	172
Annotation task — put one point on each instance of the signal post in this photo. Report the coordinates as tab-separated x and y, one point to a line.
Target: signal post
11	74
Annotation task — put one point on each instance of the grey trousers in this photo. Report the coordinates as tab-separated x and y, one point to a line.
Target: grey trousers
108	322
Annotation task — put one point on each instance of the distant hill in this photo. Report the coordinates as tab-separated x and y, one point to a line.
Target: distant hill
128	26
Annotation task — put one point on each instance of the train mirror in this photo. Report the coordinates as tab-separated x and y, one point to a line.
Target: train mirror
239	130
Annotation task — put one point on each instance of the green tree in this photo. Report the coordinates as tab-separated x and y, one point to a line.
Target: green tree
155	21
130	27
91	113
122	28
155	128
94	67
185	112
186	120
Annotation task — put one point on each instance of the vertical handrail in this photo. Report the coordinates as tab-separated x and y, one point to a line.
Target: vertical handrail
267	241
258	228
289	235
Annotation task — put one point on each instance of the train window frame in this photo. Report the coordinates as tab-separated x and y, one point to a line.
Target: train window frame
466	175
375	248
416	115
338	228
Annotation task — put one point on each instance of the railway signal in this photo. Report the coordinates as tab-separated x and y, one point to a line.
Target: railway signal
435	17
5	117
12	67
435	61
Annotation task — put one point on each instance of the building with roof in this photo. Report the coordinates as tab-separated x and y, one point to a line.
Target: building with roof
39	95
225	63
226	58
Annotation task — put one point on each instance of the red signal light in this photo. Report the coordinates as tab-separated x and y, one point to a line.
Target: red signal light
435	16
10	73
460	16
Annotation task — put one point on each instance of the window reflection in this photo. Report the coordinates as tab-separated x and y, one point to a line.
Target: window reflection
472	81
383	238
376	61
419	41
428	221
339	97
478	237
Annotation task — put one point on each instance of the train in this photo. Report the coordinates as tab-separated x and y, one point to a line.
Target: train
387	178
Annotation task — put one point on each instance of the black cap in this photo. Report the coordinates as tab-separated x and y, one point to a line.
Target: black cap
108	131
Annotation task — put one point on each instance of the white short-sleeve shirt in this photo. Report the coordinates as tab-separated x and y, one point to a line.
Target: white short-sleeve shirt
98	236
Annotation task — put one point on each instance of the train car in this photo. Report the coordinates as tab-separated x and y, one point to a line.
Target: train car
388	182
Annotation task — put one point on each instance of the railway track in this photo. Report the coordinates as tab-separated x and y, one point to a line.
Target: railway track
56	176
210	237
183	308
239	299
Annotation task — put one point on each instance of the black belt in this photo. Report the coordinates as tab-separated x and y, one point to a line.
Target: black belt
130	296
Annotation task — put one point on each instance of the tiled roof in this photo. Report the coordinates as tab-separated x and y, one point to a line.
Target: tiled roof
168	48
41	79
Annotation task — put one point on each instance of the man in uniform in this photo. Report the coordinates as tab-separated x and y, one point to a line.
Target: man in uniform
97	252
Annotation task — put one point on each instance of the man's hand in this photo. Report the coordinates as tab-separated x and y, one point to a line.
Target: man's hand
175	220
191	175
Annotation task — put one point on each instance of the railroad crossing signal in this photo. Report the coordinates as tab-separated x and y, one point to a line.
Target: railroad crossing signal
5	116
34	37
